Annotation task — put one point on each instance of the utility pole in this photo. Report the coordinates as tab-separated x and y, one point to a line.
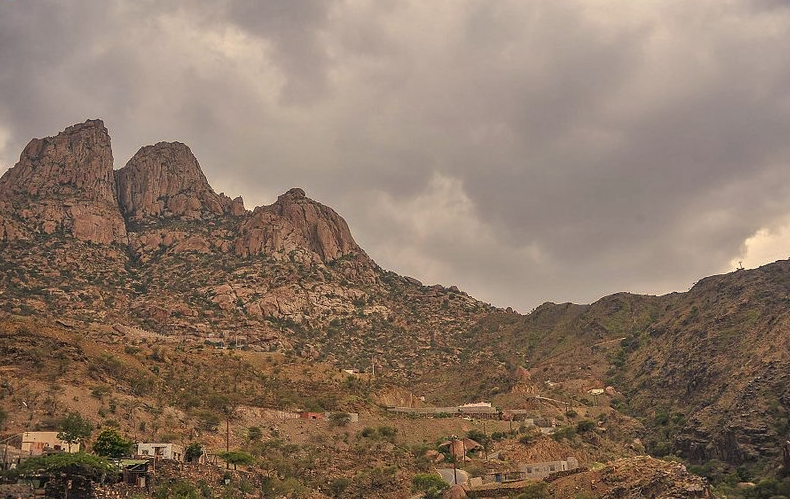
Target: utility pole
227	434
455	459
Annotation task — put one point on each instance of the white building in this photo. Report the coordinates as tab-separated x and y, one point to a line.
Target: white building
161	451
36	443
476	405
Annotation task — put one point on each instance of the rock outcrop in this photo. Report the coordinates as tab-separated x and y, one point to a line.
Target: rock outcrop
165	180
63	183
152	245
295	223
67	183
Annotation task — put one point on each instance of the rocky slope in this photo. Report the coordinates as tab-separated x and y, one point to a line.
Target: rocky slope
152	249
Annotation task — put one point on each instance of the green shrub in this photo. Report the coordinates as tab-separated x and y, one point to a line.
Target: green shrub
340	419
432	486
539	490
566	432
526	439
338	485
181	489
194	451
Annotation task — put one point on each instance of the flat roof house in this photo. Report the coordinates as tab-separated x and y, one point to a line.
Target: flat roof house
161	451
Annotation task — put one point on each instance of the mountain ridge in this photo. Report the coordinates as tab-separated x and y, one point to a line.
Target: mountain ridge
157	249
177	257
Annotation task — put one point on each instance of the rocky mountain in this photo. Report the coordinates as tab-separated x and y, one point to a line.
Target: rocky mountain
151	245
151	250
63	183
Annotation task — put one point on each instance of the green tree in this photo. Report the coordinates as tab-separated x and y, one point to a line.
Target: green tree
3	417
180	489
194	451
226	405
74	429
237	457
429	484
110	443
479	437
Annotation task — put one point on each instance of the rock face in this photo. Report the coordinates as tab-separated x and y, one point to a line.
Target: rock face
67	183
165	180
153	245
295	222
63	183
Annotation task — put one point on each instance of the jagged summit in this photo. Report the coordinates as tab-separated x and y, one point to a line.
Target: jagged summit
166	180
67	183
63	183
296	221
77	162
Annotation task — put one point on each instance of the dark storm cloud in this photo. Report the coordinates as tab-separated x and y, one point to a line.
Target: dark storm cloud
550	150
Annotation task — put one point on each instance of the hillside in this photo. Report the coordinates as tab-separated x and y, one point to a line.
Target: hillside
145	288
153	246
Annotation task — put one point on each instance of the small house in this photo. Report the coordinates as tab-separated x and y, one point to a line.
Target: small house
36	443
541	470
135	472
160	451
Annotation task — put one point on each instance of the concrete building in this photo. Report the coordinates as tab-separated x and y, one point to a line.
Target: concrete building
161	451
36	443
540	470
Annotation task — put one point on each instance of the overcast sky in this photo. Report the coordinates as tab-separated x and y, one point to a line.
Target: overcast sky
525	151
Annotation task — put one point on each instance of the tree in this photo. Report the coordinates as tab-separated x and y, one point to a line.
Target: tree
110	443
237	457
3	417
74	429
227	406
338	485
194	451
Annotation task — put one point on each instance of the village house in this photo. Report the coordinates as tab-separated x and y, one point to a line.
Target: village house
36	443
160	451
541	470
531	471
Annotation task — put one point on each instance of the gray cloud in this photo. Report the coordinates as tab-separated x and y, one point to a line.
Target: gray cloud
524	152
